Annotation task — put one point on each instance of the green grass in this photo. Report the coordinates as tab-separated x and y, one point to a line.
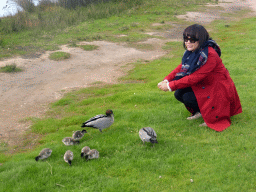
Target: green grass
59	55
89	47
10	69
215	161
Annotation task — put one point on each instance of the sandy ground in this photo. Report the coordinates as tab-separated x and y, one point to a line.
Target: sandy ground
28	93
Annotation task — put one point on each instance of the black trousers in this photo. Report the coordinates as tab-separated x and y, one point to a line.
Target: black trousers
188	98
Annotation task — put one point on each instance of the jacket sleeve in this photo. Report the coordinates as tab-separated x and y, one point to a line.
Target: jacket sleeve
198	75
171	76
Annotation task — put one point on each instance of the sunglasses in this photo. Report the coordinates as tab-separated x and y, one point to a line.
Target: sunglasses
191	40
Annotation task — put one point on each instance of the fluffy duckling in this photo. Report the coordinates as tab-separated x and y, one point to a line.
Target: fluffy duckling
77	135
92	154
68	157
69	141
147	134
44	154
100	121
84	151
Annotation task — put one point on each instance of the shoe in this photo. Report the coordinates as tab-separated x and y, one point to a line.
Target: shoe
203	125
195	116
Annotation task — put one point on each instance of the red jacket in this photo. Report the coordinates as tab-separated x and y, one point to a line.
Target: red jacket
214	89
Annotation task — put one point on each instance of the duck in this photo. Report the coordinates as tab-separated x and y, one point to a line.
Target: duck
44	154
100	121
77	135
92	154
84	151
68	157
70	141
148	134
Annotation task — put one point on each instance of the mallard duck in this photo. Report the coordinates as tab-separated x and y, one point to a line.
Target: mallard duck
68	157
100	121
147	134
69	141
44	154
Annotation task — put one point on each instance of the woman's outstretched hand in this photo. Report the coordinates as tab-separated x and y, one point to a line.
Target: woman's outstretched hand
163	86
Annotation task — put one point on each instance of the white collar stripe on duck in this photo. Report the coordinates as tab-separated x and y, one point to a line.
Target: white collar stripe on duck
100	121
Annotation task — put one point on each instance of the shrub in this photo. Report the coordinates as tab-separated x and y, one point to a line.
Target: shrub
10	69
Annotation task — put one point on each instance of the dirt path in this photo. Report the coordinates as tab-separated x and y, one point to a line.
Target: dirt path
27	94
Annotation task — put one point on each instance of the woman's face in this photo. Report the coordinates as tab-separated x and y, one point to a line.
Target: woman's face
191	44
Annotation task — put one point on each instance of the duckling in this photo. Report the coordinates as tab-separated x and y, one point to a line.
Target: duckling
69	141
84	151
44	154
77	135
92	154
100	121
68	157
147	134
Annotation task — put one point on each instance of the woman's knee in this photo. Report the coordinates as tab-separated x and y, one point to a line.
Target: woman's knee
189	98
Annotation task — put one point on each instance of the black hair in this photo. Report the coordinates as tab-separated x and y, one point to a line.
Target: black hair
197	32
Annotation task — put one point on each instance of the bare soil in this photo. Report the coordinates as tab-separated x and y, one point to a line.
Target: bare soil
28	93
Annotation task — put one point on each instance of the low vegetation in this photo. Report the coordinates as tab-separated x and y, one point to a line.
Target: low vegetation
187	157
59	55
10	69
89	47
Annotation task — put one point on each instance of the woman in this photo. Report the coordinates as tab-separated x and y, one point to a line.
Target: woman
202	82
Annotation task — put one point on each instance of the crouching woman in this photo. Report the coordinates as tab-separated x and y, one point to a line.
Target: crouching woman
202	83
